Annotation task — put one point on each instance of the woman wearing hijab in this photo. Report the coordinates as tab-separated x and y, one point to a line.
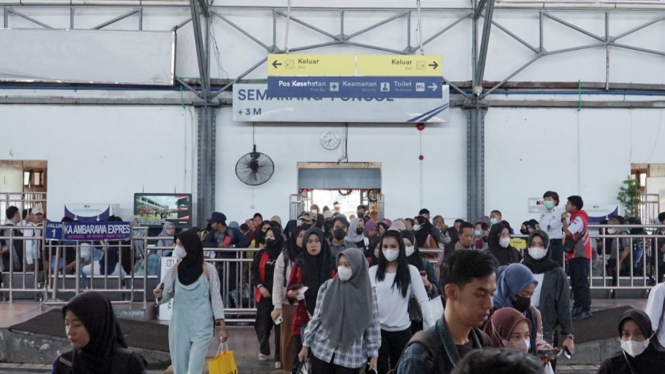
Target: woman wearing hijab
313	267
263	271
344	332
283	309
195	288
551	295
292	224
425	235
356	234
168	232
97	339
508	328
639	353
499	245
515	287
395	281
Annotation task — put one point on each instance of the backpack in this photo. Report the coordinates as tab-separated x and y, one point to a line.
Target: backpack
431	344
120	364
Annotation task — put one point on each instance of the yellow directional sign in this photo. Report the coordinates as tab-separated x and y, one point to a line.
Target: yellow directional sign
400	66
312	65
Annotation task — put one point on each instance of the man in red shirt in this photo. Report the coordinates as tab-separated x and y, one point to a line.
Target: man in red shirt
579	260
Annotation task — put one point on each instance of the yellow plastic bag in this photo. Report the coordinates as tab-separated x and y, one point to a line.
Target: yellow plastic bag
224	362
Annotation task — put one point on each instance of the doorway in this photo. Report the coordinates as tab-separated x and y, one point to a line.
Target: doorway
23	184
349	184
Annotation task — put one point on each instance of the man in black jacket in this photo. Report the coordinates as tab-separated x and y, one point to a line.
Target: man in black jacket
468	283
228	238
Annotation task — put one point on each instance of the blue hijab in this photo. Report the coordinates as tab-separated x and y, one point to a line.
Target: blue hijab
510	281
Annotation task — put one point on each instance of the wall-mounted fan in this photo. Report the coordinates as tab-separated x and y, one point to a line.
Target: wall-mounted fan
254	168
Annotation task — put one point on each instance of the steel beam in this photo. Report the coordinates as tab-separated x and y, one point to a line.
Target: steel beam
242	31
116	19
484	44
27	18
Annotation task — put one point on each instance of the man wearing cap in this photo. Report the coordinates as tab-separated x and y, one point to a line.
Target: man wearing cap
33	248
307	219
228	238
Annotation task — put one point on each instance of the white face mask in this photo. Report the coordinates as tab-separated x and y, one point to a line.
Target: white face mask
447	240
344	273
391	254
611	231
504	242
537	253
416	227
522	345
410	250
634	348
180	251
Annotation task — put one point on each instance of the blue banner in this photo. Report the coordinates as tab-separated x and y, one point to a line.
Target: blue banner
356	87
84	231
53	231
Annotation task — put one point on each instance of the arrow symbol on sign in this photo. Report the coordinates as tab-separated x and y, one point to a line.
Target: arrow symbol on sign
434	65
275	64
433	86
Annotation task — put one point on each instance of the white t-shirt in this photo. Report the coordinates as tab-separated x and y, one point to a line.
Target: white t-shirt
655	311
535	298
393	308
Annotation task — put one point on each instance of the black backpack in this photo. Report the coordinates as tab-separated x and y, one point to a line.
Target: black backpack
432	346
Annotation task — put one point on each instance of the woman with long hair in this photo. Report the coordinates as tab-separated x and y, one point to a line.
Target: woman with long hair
395	281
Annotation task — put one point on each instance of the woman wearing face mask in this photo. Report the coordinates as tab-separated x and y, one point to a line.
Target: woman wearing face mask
508	328
499	245
356	234
515	286
263	269
551	295
427	273
195	288
344	332
395	281
481	235
283	309
98	344
313	267
639	354
425	233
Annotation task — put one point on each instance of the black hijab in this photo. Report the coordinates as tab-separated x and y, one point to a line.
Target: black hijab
191	267
316	269
291	249
545	264
505	256
276	246
424	232
416	259
95	312
651	361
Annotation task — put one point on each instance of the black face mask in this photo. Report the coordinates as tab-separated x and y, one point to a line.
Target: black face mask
360	214
522	304
270	242
524	231
339	234
306	225
360	231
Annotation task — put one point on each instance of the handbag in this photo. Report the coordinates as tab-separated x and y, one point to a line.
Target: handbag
224	362
570	245
303	367
436	308
415	313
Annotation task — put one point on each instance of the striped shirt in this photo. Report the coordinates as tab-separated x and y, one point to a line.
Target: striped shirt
215	293
353	357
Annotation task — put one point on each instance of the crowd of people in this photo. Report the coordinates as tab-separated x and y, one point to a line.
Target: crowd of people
344	294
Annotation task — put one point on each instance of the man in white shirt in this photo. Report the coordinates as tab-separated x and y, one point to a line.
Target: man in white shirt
33	249
656	311
550	221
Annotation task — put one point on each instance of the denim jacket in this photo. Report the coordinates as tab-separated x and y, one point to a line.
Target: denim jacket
416	358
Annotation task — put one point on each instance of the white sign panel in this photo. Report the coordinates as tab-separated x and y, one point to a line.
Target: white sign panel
87	56
166	309
251	104
536	205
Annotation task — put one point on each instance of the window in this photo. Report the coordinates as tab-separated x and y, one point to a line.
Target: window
33	178
26	178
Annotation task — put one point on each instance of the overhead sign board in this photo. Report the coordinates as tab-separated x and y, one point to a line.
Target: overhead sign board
296	64
400	66
349	87
251	103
